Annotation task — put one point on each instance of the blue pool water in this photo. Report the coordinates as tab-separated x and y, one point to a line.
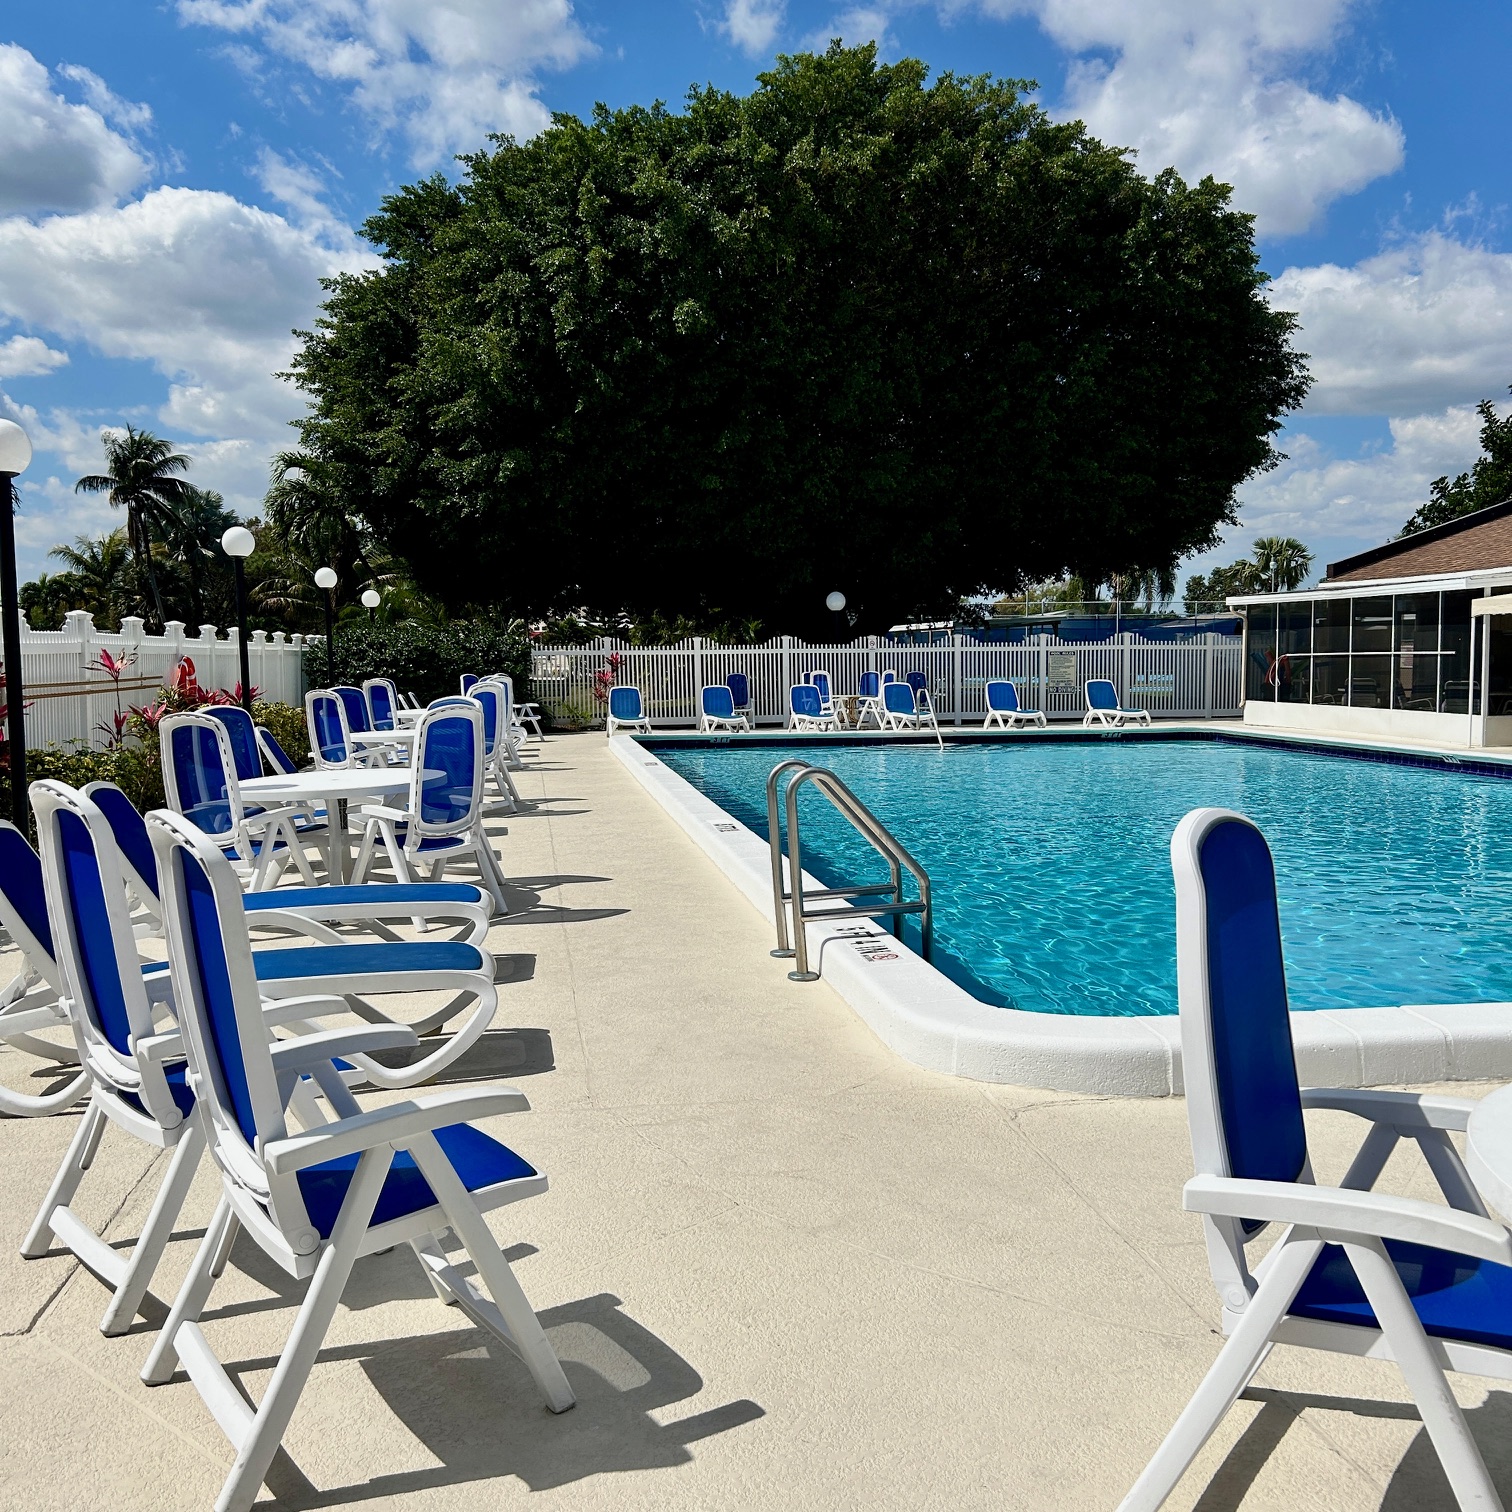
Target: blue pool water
1052	878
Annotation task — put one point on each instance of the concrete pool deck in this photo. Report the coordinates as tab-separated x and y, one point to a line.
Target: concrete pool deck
783	1266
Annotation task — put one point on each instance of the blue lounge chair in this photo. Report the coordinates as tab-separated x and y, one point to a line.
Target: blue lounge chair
382	699
869	699
740	695
315	1201
902	709
821	680
626	711
717	710
1004	710
1354	1272
1103	707
807	709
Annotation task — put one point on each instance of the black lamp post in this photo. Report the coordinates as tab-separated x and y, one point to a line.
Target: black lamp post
15	456
371	598
835	603
326	578
238	544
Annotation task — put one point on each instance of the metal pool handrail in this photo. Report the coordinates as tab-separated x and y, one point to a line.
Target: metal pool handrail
871	829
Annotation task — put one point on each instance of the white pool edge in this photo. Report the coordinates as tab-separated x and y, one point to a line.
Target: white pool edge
922	1015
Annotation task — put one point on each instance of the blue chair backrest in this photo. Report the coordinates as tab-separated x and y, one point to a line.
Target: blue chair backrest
469	681
274	751
719	702
806	700
625	704
21	882
1002	698
450	762
870	684
898	698
740	689
129	829
1254	1065
489	698
380	705
889	676
821	681
243	735
1101	694
356	708
200	777
330	739
102	998
918	681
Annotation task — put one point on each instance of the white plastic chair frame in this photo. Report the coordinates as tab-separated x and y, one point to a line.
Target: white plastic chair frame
502	756
382	824
1114	714
914	713
521	715
613	723
1235	1210
709	722
261	843
259	1160
1013	718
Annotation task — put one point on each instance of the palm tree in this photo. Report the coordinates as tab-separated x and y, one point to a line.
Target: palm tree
1283	562
192	542
101	564
140	476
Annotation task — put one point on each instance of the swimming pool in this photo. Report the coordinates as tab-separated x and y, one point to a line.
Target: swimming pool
1052	880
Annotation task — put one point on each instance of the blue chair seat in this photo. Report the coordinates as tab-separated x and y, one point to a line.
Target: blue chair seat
363	893
183	1096
1456	1297
364	960
476	1158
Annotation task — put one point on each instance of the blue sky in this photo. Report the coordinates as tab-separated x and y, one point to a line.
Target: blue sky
177	176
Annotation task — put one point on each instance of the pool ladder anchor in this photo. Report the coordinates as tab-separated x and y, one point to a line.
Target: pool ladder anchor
793	943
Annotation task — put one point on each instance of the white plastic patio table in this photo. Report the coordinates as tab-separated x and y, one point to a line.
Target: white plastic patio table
385	737
330	788
1488	1149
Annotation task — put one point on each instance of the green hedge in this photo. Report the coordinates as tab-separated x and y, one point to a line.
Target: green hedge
426	660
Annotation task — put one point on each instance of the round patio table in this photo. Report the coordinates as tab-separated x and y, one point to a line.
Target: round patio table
1488	1149
331	787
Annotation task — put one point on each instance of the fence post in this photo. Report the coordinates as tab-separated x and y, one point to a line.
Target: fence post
698	679
784	692
1208	658
957	695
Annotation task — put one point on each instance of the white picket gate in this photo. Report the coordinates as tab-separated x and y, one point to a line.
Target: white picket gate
69	697
1199	678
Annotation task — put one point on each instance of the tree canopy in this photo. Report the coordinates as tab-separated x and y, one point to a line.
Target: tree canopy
857	330
1488	482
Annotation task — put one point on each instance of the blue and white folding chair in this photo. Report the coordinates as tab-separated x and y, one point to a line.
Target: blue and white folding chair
316	1201
717	710
330	739
511	731
806	710
199	776
1353	1271
869	700
382	699
902	710
521	715
242	735
491	698
626	711
275	758
442	821
465	683
740	696
821	680
1004	710
1103	707
354	703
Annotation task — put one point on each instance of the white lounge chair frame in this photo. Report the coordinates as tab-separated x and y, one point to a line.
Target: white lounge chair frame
1115	717
709	723
613	725
1010	719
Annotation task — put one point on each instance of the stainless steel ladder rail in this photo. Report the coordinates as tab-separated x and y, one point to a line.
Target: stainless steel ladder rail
872	830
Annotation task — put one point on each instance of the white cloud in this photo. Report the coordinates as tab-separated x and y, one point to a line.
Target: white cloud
56	155
29	357
52	513
1206	85
855	25
130	115
752	25
1424	324
446	72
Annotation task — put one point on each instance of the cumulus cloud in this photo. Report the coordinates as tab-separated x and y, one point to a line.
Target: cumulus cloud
57	155
752	25
445	72
1423	324
130	115
29	357
858	24
1209	86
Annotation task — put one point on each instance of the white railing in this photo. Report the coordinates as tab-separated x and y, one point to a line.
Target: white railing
70	699
1196	679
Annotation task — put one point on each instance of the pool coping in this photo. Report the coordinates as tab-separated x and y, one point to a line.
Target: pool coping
922	1015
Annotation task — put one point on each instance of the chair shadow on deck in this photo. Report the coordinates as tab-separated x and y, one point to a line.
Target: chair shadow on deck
1417	1484
527	907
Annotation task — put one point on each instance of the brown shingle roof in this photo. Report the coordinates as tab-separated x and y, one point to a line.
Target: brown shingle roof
1474	543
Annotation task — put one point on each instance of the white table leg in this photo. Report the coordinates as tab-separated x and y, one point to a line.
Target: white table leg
337	858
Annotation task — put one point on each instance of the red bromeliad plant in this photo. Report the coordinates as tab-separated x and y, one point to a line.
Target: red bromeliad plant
114	729
606	677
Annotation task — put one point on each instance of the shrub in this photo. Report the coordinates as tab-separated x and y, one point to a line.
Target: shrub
427	660
288	726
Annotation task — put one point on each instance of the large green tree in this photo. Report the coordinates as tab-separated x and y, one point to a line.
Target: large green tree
1488	482
858	330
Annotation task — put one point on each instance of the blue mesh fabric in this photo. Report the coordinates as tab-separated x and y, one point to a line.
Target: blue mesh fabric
1102	694
376	897
869	685
469	682
201	778
280	757
806	700
104	999
1001	697
221	1033
1255	1068
21	877
328	734
356	708
449	762
625	703
129	829
740	689
306	961
381	706
488	700
918	681
898	698
719	703
243	735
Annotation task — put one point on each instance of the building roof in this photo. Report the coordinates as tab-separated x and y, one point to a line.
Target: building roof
1476	542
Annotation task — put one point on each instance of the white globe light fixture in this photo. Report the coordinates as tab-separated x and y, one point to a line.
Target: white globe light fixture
371	598
15	457
325	577
239	543
835	603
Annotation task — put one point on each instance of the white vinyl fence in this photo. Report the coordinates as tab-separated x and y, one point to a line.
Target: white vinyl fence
1199	678
70	697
